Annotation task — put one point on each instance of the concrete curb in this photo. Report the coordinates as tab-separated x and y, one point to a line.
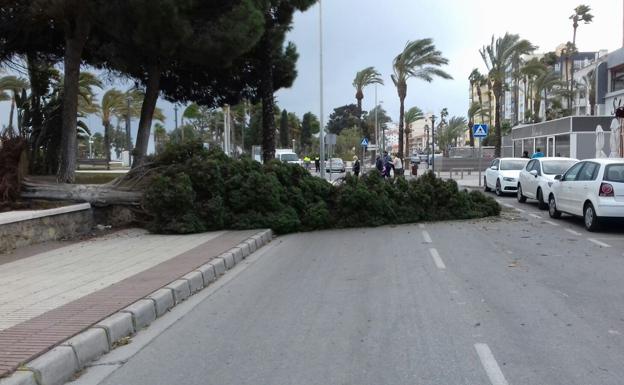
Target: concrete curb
59	365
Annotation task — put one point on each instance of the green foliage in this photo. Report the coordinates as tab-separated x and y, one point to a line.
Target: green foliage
283	130
197	190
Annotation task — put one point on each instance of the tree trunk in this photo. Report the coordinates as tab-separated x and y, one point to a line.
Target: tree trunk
77	30
537	101
152	89
11	113
266	93
107	143
35	67
498	138
472	139
401	119
480	102
97	195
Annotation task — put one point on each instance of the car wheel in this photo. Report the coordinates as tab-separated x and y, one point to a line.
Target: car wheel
552	208
590	218
485	186
499	191
540	200
521	198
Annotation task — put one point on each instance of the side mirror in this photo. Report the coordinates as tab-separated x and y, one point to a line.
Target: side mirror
559	177
533	172
494	168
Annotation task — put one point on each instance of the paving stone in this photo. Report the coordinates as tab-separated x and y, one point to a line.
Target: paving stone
219	266
238	254
229	260
19	378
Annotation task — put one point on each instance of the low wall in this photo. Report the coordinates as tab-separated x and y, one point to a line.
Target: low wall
24	228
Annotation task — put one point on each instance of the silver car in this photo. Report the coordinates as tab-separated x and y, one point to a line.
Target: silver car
335	165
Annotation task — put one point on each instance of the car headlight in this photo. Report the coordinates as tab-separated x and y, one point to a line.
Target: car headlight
509	179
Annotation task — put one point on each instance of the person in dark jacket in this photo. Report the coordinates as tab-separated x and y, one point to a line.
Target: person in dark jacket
379	165
356	166
317	164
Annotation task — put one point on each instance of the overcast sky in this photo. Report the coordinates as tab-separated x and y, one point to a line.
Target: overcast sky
362	33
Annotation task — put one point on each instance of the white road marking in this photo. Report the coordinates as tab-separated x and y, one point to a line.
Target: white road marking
535	216
508	205
490	365
551	223
436	259
520	210
615	332
573	232
426	237
599	243
421	226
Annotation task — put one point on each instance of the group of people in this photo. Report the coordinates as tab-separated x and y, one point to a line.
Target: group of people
537	154
389	164
317	163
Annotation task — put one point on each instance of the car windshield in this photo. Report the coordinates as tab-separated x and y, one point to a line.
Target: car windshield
615	173
557	167
289	157
513	164
336	160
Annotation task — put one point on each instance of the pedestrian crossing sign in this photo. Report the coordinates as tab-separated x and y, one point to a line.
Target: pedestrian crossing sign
364	142
480	130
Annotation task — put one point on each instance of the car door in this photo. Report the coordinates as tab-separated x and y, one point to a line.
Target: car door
491	174
531	188
564	193
581	188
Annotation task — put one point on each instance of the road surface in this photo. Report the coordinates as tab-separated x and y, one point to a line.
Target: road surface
514	300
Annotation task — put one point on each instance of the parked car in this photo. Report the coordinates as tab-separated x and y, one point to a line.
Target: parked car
592	189
538	176
335	165
502	175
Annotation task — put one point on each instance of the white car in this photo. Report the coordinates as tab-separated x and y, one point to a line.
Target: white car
592	189
335	165
502	175
538	176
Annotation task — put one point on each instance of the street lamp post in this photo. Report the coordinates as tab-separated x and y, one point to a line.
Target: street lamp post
321	117
90	148
128	134
433	117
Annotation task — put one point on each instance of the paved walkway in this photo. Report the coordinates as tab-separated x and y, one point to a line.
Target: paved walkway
49	297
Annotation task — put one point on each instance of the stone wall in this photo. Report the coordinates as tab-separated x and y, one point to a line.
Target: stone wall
48	228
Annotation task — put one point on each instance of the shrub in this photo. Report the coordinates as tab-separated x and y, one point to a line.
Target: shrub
198	190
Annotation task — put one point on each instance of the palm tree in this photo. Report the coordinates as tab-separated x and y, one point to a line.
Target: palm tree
113	103
447	134
160	137
474	110
366	77
590	89
412	115
420	59
529	71
543	84
581	13
497	57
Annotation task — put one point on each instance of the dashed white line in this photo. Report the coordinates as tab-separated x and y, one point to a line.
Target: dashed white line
535	216
437	259
490	365
573	232
508	205
426	237
421	226
562	293
552	223
599	243
520	210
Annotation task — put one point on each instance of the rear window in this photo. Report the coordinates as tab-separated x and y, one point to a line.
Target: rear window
513	164
614	173
557	167
289	157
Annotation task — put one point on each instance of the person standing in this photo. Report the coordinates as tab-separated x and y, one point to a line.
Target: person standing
538	153
398	166
356	166
387	164
379	165
317	164
525	154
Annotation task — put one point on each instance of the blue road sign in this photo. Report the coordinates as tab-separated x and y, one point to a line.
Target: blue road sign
364	142
480	130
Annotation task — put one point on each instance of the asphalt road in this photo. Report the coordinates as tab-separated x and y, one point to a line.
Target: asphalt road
514	300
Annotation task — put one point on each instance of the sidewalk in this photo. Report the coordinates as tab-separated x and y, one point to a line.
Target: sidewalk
50	297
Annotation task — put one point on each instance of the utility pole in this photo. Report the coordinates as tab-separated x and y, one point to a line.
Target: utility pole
433	117
321	117
128	134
